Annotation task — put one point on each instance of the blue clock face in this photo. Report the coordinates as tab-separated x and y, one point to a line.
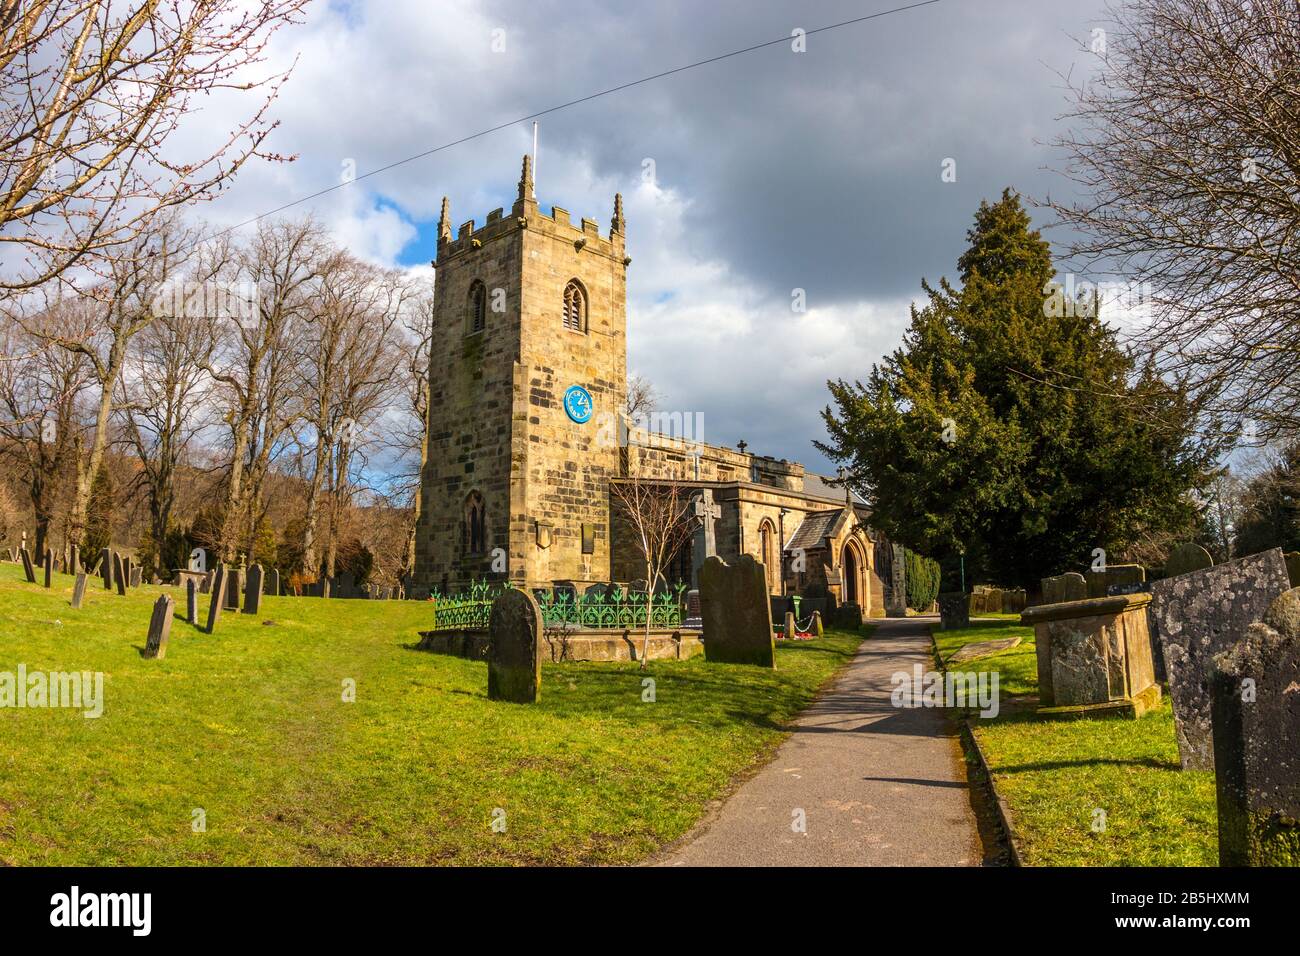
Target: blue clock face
577	403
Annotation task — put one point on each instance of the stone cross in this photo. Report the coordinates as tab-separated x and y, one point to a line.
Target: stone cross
705	544
253	596
160	628
79	591
191	601
1257	740
218	598
514	665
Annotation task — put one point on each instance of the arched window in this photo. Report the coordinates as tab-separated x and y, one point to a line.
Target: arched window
474	525
575	307
767	554
477	307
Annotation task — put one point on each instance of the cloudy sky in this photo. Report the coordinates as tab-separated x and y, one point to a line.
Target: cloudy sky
772	170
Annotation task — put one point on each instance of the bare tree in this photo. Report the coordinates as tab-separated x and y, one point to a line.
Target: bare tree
657	513
255	363
159	399
39	421
1186	145
92	93
411	433
117	309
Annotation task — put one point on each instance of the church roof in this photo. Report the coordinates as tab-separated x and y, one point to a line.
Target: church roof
820	486
815	528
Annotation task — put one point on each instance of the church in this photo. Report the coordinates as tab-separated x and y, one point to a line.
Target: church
527	373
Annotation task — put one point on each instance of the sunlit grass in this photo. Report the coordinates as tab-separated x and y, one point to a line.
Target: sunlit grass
250	726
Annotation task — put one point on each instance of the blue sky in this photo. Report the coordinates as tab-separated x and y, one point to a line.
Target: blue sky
773	171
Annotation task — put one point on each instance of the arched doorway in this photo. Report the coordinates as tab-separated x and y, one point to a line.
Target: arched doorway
850	569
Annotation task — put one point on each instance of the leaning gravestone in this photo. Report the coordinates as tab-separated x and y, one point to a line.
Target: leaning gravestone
217	599
79	591
736	611
1197	616
27	567
1257	741
514	666
1071	586
191	602
1187	558
119	573
253	596
160	628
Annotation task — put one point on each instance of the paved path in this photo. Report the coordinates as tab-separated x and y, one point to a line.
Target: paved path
880	786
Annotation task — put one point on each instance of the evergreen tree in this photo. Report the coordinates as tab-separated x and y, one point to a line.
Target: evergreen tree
1011	427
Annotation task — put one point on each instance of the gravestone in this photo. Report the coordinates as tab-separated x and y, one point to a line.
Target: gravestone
49	566
347	585
234	585
253	596
693	614
191	602
1256	721
273	582
160	628
106	568
705	543
1071	586
217	599
205	587
74	559
28	570
1197	616
79	591
126	569
1116	579
737	614
897	603
954	610
1187	558
136	572
119	573
514	666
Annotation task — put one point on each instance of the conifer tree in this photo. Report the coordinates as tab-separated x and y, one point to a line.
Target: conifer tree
1012	428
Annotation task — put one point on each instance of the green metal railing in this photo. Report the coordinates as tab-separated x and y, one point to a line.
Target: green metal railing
615	609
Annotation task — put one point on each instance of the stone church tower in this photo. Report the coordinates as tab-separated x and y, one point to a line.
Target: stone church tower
527	374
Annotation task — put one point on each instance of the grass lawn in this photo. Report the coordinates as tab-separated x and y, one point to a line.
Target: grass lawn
1056	776
250	726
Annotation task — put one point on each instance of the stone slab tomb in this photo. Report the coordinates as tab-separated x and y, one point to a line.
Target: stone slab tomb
736	611
1197	616
1094	657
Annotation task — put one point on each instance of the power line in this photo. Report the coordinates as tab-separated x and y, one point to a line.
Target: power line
563	106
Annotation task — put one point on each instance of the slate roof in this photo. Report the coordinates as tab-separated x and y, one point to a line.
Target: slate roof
815	528
820	486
